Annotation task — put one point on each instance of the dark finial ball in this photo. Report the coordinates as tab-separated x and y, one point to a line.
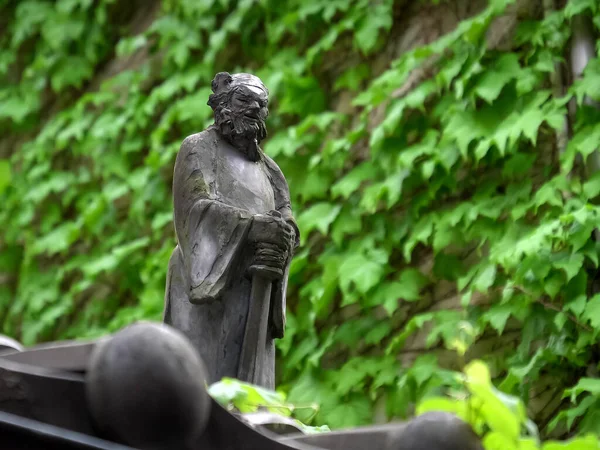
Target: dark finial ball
145	387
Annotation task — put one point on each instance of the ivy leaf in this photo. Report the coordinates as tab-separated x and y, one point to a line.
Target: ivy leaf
496	440
485	278
407	287
58	240
498	315
105	262
352	374
530	120
573	413
591	385
528	80
587	86
549	195
124	250
424	367
577	306
310	390
353	179
227	391
422	232
303	96
502	414
361	271
377	333
389	124
128	46
347	222
582	443
425	147
560	319
553	284
575	7
247	397
545	61
352	78
29	14
62	30
592	311
301	351
571	264
351	413
505	69
378	17
464	127
591	187
410	283
161	219
447	325
316	184
16	106
277	144
386	296
352	331
319	216
71	71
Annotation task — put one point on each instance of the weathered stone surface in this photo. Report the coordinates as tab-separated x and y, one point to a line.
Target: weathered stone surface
137	383
146	387
431	431
227	277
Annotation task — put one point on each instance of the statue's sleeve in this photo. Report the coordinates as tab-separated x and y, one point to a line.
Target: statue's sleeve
284	206
211	234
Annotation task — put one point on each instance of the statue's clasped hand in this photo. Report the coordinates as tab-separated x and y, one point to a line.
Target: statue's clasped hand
274	239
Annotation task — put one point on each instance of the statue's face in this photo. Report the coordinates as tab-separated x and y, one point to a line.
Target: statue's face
251	101
244	114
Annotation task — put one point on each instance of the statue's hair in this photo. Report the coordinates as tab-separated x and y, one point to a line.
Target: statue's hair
216	101
224	84
221	87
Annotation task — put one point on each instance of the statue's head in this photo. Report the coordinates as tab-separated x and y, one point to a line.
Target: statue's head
239	102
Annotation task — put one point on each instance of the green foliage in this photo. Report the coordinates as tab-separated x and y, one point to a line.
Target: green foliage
499	419
247	398
440	171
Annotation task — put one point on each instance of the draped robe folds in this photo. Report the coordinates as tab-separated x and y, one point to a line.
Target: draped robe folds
216	191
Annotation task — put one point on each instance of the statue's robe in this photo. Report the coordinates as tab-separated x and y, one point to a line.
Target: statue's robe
216	190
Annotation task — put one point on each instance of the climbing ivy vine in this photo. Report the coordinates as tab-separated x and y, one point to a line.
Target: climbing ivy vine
444	169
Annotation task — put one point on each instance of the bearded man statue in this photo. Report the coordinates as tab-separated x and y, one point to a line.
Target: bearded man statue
227	277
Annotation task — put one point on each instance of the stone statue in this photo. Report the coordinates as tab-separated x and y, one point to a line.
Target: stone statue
236	235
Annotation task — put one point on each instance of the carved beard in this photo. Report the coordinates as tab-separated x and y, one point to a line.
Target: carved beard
243	132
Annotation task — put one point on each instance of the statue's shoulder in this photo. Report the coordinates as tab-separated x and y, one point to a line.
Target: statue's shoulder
203	141
278	182
198	150
277	176
272	166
